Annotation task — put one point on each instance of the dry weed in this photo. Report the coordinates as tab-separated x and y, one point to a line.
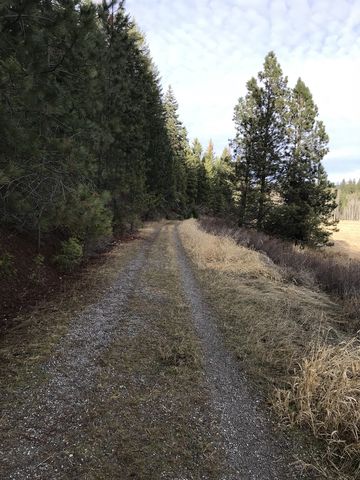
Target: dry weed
223	254
325	395
338	275
268	321
287	337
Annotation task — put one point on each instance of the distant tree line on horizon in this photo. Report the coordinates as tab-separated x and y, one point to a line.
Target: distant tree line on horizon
348	200
91	145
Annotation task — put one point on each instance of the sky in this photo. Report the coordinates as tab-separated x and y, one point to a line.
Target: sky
208	49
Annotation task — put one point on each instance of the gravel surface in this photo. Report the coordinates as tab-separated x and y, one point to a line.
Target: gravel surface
49	422
253	449
44	426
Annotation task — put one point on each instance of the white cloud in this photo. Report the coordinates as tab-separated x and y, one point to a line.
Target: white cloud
208	49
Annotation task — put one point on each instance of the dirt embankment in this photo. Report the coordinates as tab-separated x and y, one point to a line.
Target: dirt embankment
28	277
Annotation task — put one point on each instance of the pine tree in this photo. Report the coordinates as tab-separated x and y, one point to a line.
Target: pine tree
223	184
85	139
278	149
43	43
244	154
193	163
179	151
209	159
260	140
308	197
202	180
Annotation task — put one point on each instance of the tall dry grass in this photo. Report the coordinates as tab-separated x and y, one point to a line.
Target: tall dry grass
325	396
338	275
223	254
287	337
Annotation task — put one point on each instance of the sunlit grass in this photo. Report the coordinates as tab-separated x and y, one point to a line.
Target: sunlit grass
288	339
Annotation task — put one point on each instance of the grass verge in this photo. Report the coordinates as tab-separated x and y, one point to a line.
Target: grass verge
336	274
288	339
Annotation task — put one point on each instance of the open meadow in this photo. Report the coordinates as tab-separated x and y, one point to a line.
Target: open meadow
347	239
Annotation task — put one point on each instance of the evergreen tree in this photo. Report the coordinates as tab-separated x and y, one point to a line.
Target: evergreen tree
90	144
244	155
206	175
42	44
179	148
128	90
209	159
223	184
308	198
202	179
193	164
260	120
278	149
87	142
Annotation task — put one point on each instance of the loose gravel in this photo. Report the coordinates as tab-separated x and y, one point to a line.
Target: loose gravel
41	430
40	433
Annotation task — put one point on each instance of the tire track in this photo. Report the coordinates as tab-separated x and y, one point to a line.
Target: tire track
254	452
37	433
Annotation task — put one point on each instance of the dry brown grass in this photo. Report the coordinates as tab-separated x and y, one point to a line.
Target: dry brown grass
267	318
223	254
325	395
347	239
288	338
337	274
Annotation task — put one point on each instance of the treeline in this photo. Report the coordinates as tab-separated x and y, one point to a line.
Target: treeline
279	146
89	144
82	121
348	199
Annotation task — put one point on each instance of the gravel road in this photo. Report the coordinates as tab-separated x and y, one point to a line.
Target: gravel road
48	421
41	428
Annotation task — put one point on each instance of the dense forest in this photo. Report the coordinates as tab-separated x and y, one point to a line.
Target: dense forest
348	199
91	145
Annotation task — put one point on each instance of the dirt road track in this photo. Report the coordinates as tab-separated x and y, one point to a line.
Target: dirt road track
253	451
41	426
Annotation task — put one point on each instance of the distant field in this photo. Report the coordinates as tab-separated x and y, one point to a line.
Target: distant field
347	239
